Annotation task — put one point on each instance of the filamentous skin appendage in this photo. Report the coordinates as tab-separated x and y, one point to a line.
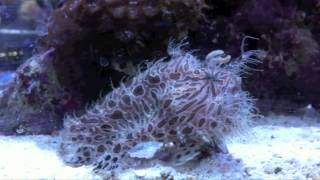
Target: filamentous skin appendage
185	103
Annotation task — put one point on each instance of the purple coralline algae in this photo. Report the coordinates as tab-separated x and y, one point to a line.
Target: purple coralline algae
188	105
90	42
288	30
20	109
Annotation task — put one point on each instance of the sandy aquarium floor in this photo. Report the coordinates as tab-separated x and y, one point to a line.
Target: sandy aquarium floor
278	147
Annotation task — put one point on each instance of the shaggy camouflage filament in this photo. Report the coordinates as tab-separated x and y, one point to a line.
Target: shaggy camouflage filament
185	103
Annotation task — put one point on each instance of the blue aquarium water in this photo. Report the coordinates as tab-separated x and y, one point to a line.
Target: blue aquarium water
5	77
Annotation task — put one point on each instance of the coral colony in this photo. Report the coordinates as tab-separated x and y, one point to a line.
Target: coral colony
294	60
90	42
187	107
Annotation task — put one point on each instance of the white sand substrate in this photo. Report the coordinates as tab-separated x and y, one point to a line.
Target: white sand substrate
278	147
